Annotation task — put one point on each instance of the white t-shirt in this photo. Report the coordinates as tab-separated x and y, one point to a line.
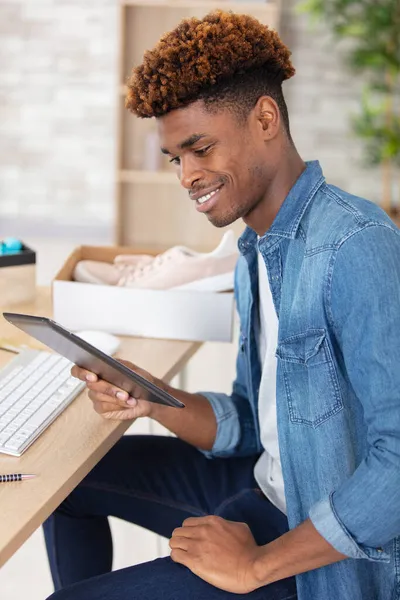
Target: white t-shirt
268	470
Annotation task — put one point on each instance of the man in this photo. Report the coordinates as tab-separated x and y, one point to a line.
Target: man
297	472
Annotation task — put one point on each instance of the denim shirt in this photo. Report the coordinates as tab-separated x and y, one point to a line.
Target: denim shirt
333	263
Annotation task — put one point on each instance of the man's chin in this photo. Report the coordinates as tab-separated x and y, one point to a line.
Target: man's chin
221	220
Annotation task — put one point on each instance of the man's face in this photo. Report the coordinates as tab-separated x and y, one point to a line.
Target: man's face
225	165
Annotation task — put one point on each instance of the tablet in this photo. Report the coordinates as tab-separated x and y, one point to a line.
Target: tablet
85	355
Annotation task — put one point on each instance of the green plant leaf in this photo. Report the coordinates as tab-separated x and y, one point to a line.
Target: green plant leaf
373	27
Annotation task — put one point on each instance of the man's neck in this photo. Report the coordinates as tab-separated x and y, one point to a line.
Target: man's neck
263	215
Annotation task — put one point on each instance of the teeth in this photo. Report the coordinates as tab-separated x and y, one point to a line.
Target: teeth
206	197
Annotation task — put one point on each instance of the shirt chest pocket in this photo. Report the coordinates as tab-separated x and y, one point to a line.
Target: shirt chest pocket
311	383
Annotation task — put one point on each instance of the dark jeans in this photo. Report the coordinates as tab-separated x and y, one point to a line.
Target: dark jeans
155	482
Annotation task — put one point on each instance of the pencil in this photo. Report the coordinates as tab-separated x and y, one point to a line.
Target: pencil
15	477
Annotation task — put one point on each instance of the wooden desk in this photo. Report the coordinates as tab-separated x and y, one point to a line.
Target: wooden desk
75	442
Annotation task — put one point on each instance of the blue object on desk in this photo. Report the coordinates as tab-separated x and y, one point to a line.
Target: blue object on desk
10	245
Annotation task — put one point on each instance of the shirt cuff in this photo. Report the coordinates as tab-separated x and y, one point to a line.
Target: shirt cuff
228	426
328	524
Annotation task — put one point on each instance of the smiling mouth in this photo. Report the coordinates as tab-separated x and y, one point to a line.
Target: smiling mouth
206	197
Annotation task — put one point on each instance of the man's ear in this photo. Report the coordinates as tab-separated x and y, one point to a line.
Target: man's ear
268	116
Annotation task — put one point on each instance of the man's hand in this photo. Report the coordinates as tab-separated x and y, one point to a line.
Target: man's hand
195	424
110	401
221	552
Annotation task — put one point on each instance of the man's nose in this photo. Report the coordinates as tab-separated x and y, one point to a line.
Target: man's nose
189	173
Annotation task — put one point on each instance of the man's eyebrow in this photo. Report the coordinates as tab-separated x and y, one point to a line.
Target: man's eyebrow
190	141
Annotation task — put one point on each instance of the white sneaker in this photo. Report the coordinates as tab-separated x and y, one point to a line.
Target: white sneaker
104	273
181	268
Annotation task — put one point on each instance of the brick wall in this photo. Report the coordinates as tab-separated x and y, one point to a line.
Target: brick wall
58	77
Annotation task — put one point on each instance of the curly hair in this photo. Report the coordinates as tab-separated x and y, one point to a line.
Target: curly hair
224	58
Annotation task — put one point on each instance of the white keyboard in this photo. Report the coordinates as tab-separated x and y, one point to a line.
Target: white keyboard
35	387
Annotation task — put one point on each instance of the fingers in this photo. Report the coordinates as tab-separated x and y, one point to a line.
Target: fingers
108	399
101	388
193	531
180	556
102	406
196	521
182	532
113	398
83	374
183	550
108	389
104	387
178	541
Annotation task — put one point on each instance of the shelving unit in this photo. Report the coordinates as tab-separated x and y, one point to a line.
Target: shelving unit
152	209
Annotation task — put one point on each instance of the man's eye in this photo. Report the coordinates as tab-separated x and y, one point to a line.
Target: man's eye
202	151
175	161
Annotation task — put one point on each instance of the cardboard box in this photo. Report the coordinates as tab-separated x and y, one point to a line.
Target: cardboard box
182	315
17	277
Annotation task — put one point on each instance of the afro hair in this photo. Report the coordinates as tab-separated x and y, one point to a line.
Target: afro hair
224	57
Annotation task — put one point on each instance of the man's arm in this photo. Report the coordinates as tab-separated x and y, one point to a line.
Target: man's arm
300	550
212	422
195	424
225	554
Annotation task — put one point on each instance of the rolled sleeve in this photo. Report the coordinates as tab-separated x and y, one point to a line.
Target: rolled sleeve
228	425
327	523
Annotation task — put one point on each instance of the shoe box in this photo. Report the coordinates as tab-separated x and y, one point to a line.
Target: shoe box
167	314
17	276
